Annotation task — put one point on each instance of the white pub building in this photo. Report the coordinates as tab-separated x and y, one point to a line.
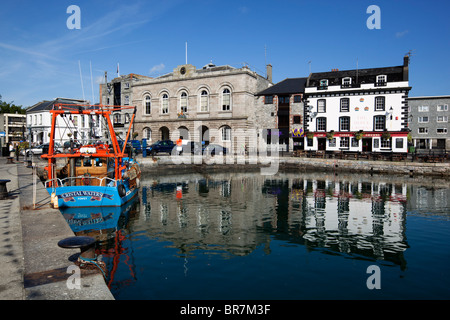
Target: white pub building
358	110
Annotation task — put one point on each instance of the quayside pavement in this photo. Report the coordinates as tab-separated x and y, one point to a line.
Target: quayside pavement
32	266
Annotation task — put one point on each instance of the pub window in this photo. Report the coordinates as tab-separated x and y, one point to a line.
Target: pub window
379	103
332	142
399	143
297	119
309	142
323	83
297	98
344	142
379	123
355	142
344	123
321	124
381	80
321	105
345	105
376	143
346	82
268	99
386	143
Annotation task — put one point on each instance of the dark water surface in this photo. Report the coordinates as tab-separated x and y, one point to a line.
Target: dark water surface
288	236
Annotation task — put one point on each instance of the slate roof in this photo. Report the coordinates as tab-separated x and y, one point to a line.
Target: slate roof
287	86
48	105
364	75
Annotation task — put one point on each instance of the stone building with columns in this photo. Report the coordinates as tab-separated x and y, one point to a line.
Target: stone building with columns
213	104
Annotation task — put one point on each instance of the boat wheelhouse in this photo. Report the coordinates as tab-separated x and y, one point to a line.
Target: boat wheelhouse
91	172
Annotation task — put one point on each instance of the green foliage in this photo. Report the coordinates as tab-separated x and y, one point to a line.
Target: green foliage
10	107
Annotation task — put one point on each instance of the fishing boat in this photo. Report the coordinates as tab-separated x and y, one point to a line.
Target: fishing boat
92	174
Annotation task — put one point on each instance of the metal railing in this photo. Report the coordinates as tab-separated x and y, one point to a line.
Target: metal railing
81	181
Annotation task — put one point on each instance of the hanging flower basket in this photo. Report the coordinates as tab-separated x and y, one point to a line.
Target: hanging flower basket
310	135
386	135
359	135
330	135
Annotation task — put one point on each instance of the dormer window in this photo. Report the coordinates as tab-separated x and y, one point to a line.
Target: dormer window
323	84
381	80
346	82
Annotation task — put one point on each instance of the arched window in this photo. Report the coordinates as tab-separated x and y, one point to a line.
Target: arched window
184	102
147	134
226	100
226	133
147	105
204	101
165	104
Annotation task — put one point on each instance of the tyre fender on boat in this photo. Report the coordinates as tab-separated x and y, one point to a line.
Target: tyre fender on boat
121	190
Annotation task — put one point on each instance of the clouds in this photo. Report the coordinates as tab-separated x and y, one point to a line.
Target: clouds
157	68
401	33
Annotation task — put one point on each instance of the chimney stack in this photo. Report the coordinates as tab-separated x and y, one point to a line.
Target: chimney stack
269	72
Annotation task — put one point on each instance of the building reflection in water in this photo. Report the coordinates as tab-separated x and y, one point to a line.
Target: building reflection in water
232	214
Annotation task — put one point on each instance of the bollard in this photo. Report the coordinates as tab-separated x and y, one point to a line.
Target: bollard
85	244
87	258
3	189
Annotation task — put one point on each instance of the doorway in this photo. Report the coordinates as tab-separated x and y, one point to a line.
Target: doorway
367	144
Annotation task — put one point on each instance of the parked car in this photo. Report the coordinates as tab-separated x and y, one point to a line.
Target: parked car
161	146
213	149
135	144
42	149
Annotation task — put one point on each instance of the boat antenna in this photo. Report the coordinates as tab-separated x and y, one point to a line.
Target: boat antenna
81	78
92	84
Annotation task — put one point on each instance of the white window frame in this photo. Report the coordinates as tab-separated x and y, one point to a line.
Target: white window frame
444	107
204	101
147	134
342	107
422	119
423	108
444	131
443	119
165	103
226	94
344	142
422	130
226	133
347	81
184	98
147	99
323	83
382	78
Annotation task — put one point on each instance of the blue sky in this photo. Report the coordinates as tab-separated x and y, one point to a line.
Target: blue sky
40	56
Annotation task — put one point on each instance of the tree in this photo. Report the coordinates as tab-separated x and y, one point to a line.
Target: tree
10	107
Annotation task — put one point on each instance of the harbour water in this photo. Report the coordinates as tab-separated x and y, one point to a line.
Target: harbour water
284	237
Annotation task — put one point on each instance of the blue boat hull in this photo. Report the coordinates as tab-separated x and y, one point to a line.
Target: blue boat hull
92	196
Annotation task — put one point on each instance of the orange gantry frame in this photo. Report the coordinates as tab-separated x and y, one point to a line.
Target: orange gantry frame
101	150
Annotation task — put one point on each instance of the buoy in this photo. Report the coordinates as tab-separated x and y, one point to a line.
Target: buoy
54	200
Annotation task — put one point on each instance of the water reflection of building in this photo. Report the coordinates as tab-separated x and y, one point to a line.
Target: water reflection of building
237	213
360	217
